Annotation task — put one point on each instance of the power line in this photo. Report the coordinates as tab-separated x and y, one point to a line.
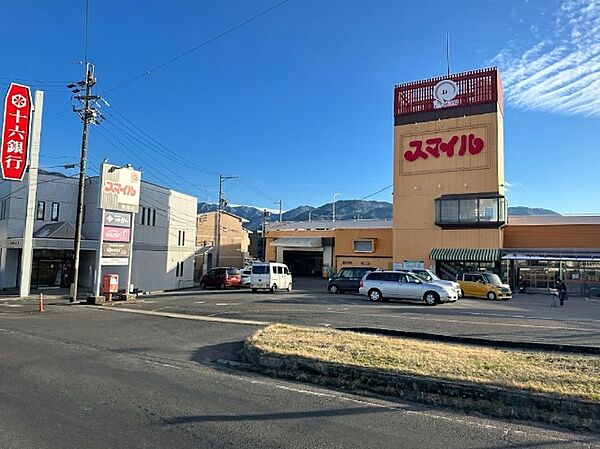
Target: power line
197	47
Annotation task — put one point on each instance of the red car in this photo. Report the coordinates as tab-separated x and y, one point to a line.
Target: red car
222	277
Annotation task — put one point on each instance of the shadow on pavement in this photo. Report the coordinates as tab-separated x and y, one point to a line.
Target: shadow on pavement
276	416
231	350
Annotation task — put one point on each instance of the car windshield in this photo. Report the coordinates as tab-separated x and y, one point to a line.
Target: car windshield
426	275
233	271
493	279
260	269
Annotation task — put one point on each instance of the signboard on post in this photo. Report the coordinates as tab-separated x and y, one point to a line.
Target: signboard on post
111	234
120	189
122	261
117	219
115	249
15	132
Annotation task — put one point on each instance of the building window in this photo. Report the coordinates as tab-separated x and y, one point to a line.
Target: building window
179	270
4	210
143	216
55	212
470	210
148	216
40	211
153	217
363	246
181	238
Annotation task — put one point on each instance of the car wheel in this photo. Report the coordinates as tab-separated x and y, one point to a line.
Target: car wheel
254	290
491	296
274	288
375	295
222	286
202	285
431	298
289	289
333	289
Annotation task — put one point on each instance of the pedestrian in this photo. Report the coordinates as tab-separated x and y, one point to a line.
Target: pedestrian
562	291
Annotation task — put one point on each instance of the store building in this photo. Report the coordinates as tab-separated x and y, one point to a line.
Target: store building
164	236
449	205
319	248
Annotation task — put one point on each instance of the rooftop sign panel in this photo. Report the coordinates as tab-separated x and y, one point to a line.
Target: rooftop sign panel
435	96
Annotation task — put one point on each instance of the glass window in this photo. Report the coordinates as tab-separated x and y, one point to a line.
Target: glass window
285	270
392	277
468	210
488	209
40	211
502	209
377	276
493	279
153	217
143	215
363	246
233	271
260	269
449	211
54	213
148	212
412	279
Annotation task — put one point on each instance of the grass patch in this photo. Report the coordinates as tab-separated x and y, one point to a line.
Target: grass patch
563	375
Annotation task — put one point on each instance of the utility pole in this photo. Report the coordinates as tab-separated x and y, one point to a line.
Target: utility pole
280	202
266	214
88	115
335	195
222	202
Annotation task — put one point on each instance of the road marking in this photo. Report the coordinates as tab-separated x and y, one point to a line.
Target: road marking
227	304
11	305
182	316
402	407
199	302
162	364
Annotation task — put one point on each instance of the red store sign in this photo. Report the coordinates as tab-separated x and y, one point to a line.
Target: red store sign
436	147
112	234
15	132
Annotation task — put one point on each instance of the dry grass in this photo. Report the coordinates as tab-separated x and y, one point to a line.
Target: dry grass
565	375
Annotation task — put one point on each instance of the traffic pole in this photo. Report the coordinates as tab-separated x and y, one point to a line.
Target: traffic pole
41	303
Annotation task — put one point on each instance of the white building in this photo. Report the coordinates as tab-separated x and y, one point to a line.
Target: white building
164	235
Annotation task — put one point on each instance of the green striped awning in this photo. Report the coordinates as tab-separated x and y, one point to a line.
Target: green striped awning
465	254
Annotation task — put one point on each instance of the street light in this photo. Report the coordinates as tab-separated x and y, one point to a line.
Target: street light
335	195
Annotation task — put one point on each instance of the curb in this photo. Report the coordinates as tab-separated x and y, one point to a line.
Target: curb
488	400
476	341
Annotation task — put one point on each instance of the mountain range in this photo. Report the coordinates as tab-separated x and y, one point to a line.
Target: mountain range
345	210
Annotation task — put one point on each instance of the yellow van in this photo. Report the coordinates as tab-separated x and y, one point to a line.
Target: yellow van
484	285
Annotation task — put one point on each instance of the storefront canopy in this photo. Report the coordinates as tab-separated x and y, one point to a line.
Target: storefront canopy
298	242
465	254
552	254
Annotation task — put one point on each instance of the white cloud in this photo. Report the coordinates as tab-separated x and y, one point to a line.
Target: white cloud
562	72
509	185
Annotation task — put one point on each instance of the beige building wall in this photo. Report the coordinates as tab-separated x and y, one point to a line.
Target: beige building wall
234	240
418	183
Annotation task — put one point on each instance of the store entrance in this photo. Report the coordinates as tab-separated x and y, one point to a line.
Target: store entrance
51	269
304	263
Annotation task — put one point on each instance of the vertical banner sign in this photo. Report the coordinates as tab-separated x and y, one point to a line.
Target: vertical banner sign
119	199
15	132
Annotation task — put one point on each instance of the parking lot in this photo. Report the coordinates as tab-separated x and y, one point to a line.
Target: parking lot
524	318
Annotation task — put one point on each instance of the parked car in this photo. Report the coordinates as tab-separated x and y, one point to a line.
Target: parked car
270	276
246	277
384	285
484	285
221	277
432	278
347	279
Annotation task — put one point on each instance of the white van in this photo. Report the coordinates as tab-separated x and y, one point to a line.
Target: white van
270	276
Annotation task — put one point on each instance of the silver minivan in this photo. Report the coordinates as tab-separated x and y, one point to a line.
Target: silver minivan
384	285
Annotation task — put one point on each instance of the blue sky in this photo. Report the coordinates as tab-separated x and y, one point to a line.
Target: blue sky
298	103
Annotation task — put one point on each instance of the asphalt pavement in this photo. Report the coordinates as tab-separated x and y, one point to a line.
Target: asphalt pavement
523	318
79	377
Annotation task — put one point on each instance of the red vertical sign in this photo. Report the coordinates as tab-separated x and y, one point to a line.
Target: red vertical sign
15	132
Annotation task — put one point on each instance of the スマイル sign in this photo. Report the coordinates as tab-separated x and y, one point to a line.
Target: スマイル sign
15	132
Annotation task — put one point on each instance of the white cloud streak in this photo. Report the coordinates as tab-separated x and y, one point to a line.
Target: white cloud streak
560	73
